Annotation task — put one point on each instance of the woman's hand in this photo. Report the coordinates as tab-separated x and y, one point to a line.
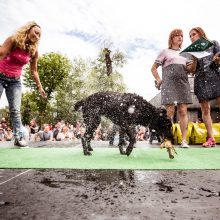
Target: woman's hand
216	58
42	92
158	83
191	68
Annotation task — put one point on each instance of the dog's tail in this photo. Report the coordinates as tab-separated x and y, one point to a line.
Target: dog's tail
79	105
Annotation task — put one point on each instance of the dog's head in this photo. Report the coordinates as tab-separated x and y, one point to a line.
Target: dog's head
162	124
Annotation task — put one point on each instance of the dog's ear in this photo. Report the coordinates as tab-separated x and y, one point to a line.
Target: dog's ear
162	111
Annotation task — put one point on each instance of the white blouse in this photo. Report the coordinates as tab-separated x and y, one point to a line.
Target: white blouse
169	56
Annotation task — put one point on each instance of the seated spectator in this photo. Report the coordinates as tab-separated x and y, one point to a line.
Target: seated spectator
4	124
98	134
112	133
56	131
46	134
33	127
82	131
77	131
141	133
8	134
154	135
65	134
2	134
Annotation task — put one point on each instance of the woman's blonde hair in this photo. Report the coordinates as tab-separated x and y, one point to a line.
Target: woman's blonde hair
200	31
174	33
21	38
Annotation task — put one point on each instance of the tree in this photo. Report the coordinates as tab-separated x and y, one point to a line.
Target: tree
87	77
53	69
72	90
98	80
105	78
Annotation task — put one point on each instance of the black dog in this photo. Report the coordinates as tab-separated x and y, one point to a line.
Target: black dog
125	110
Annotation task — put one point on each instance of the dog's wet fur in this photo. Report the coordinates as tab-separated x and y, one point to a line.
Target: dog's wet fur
126	110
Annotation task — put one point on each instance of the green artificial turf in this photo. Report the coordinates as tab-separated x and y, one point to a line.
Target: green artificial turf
109	158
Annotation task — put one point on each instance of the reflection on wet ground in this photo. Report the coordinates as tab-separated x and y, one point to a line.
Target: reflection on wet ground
112	194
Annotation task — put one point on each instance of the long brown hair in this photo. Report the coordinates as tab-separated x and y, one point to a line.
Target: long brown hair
174	33
200	31
21	37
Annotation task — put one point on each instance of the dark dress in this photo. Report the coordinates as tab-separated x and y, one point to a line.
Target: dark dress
207	79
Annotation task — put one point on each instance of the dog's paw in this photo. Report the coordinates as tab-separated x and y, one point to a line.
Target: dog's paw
128	151
170	149
90	149
171	155
87	153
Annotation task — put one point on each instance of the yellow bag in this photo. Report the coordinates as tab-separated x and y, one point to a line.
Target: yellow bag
198	134
216	132
174	128
178	135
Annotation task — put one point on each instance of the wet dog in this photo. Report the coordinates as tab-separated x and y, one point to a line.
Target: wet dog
125	110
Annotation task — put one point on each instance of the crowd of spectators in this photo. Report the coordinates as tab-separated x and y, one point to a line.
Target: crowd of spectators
67	132
6	133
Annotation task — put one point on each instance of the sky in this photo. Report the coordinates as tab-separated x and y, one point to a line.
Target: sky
138	28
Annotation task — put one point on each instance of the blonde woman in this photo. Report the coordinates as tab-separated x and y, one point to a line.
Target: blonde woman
175	88
207	81
18	50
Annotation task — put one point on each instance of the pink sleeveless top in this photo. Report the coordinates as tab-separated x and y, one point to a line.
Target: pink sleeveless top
12	64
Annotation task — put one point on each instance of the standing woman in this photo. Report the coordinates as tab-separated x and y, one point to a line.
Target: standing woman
207	82
18	50
175	88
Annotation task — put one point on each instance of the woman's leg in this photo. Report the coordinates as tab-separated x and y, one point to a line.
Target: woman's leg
170	111
218	101
1	88
183	118
13	94
206	116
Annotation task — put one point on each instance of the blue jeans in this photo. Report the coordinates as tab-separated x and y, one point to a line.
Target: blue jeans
12	88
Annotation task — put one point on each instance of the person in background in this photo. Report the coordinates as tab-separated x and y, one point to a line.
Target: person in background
33	127
175	88
8	134
46	134
2	134
141	132
207	81
154	135
4	123
18	50
56	131
65	134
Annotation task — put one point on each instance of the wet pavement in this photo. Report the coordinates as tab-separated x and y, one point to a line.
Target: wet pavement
109	194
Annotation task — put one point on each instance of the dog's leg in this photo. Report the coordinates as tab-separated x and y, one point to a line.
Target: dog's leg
93	126
92	123
121	141
132	140
86	135
89	143
84	144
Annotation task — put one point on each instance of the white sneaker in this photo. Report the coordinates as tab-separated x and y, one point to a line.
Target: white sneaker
20	143
184	145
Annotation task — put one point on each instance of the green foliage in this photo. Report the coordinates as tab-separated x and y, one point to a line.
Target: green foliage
72	90
28	108
98	80
65	83
53	68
